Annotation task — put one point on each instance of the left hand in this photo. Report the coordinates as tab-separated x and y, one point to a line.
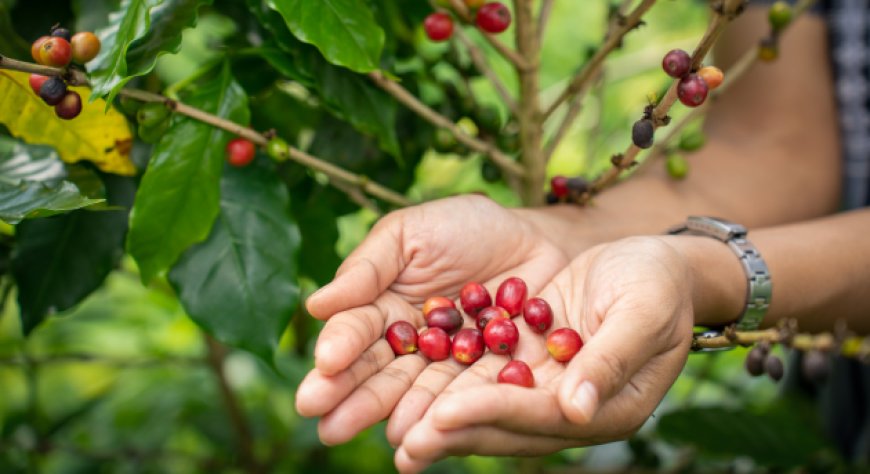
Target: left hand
631	301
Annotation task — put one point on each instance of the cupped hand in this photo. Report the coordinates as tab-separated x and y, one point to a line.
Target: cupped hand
631	301
410	255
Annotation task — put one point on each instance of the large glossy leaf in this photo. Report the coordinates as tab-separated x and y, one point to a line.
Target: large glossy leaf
240	284
179	196
139	31
98	135
60	260
31	183
345	31
777	437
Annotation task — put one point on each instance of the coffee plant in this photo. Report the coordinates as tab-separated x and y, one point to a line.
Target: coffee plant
176	175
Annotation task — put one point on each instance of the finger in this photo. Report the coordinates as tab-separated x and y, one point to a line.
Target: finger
365	274
345	337
372	401
413	405
617	350
426	445
319	394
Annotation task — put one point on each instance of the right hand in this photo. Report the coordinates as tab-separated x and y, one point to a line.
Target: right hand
411	254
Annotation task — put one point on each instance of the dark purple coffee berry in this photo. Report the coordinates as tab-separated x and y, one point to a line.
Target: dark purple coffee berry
53	91
775	369
578	185
692	90
61	32
642	133
755	361
677	63
815	366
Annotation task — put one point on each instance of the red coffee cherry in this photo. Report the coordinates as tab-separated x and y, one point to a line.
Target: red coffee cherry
559	186
511	295
438	26
70	106
517	372
488	314
692	90
538	315
240	152
85	47
677	63
712	75
467	346
36	81
563	344
501	336
55	51
437	302
36	46
493	17
402	337
447	319
473	297
434	343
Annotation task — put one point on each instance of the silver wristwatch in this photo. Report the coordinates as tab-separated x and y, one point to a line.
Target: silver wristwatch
759	287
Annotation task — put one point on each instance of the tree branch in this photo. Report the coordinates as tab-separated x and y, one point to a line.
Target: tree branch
512	56
334	172
544	18
480	62
531	125
849	346
404	97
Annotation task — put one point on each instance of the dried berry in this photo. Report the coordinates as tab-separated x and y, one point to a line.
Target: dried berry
511	295
815	366
473	297
501	336
755	361
563	344
538	315
447	319
677	63
643	133
773	366
434	343
53	90
517	372
402	337
692	90
468	346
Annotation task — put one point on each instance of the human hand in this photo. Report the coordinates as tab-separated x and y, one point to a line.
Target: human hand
632	302
423	251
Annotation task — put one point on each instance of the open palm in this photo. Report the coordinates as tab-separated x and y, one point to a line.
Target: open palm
427	250
631	303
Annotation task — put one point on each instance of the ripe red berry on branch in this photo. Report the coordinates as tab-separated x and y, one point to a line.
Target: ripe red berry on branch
692	90
677	63
34	49
70	106
438	26
36	81
240	152
55	51
493	17
559	186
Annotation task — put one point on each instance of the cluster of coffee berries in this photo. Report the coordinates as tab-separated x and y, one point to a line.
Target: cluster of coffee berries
694	86
493	329
58	50
779	16
564	189
760	361
491	17
240	152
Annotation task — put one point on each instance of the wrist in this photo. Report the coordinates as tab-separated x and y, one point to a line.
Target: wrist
718	279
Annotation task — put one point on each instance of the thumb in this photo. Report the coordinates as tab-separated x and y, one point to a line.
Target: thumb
365	274
604	365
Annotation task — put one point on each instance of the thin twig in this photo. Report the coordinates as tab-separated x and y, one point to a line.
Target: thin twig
404	97
481	63
334	172
512	56
544	18
852	346
619	28
659	116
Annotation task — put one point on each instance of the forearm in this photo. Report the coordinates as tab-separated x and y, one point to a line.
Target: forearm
820	271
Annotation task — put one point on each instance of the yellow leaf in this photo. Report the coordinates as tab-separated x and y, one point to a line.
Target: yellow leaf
98	136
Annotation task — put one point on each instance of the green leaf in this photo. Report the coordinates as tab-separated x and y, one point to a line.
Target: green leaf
345	31
777	437
59	261
31	183
138	33
318	223
179	196
240	284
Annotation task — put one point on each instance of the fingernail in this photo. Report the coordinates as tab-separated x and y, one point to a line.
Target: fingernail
586	400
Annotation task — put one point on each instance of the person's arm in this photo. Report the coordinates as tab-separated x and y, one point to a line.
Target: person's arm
771	155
